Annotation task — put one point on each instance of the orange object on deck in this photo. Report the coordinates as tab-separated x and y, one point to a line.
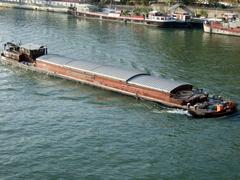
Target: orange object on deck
219	107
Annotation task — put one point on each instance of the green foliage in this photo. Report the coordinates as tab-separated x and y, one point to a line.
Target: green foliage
142	10
144	2
203	13
213	2
135	2
188	2
126	13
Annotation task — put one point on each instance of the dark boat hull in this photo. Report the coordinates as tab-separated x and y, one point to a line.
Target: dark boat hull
163	24
198	114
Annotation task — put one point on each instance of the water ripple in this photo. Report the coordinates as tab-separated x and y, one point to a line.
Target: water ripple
56	129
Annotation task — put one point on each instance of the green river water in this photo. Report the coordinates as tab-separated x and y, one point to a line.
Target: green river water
56	129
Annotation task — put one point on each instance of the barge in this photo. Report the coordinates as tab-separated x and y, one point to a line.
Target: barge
158	19
222	28
93	12
228	25
138	84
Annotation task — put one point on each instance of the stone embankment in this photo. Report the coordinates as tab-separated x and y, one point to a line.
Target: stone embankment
34	7
208	12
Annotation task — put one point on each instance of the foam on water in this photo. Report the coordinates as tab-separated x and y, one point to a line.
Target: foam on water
171	111
178	111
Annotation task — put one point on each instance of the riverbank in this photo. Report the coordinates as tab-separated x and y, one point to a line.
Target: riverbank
63	7
59	9
208	12
179	16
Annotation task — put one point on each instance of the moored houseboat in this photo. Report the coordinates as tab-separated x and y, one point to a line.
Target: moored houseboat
134	83
91	11
152	18
228	25
158	19
185	17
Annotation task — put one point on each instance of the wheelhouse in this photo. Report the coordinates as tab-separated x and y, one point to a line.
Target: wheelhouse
33	50
27	52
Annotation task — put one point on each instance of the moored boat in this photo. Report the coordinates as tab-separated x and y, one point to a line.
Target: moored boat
158	19
139	84
229	25
90	11
152	18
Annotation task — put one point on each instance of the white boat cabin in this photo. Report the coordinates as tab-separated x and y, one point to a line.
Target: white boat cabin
158	16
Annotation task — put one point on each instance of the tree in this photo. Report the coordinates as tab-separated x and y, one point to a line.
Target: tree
187	2
140	2
145	2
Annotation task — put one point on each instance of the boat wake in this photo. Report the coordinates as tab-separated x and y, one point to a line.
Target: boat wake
160	109
172	111
178	111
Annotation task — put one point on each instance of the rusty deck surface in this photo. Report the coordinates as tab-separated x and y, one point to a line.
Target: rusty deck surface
133	83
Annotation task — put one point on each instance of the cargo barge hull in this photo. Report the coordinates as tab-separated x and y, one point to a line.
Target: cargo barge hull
134	83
